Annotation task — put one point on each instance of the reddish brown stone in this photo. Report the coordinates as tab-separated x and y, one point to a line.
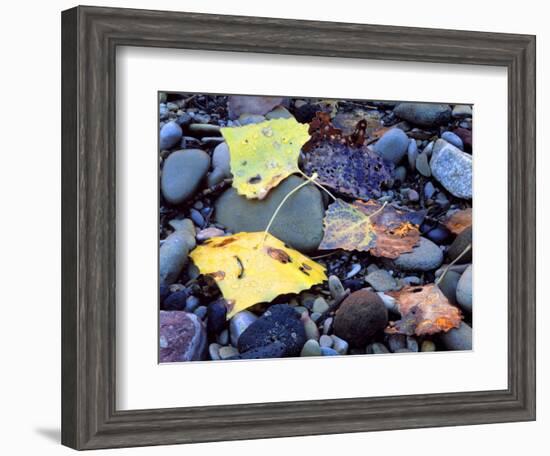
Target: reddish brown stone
182	337
360	317
466	136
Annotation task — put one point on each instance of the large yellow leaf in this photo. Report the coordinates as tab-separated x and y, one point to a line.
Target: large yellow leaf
264	154
249	270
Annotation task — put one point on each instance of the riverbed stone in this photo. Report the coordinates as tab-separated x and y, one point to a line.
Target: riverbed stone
464	290
299	223
426	256
392	146
360	317
182	173
452	168
170	135
424	114
182	337
174	250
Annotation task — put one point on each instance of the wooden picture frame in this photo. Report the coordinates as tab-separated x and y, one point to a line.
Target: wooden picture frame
90	37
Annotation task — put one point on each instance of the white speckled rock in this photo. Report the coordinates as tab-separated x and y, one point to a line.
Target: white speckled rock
452	168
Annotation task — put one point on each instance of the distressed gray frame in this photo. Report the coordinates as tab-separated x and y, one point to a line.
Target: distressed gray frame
90	36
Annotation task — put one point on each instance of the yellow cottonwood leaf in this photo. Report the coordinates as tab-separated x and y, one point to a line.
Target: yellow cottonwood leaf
264	154
248	270
348	228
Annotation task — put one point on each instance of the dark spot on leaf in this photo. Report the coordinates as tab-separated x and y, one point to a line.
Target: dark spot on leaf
226	241
241	267
279	255
302	269
306	266
255	179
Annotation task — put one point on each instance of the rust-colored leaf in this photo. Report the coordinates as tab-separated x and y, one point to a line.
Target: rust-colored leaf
459	220
424	310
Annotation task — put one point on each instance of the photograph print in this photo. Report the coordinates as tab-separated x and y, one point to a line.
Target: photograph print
312	227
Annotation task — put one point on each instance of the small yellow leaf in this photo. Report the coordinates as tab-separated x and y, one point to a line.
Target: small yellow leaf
346	227
264	154
248	270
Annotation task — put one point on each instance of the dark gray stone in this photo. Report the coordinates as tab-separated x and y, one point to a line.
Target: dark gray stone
392	146
280	323
464	290
458	246
299	223
457	338
182	173
426	256
170	135
424	114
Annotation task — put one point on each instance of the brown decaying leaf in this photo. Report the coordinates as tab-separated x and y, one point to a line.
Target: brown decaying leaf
394	229
460	220
424	310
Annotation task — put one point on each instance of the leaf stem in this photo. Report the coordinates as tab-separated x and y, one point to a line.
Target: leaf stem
440	278
377	211
322	187
288	195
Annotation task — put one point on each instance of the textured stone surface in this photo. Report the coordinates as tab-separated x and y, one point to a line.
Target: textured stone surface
182	337
452	168
392	146
280	323
360	317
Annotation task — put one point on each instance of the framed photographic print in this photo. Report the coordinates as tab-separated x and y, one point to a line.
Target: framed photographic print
270	222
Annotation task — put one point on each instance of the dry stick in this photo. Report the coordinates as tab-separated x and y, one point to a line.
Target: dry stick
294	190
466	250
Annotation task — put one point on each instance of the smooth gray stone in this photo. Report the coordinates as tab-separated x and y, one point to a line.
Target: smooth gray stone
412	153
173	252
239	323
422	165
424	114
464	290
426	256
170	134
381	280
452	168
311	348
299	222
453	138
182	173
460	244
462	111
392	146
457	338
448	285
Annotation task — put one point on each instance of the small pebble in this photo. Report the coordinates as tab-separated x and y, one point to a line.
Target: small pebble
301	310
340	345
427	346
412	153
336	288
429	190
453	138
376	349
327	325
353	271
312	332
208	233
228	352
422	165
412	344
325	341
325	351
197	218
397	342
320	305
223	337
192	303
311	348
315	316
201	312
214	351
412	195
